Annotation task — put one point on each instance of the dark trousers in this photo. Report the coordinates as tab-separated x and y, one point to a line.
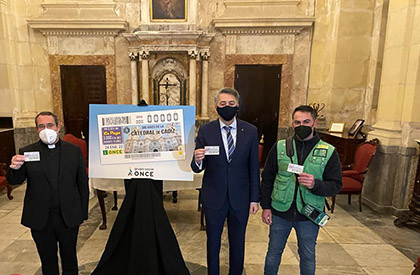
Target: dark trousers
236	221
47	239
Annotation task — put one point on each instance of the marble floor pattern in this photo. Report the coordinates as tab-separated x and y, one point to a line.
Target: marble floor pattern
351	243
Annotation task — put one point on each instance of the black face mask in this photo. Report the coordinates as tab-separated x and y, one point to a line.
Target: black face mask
227	112
303	131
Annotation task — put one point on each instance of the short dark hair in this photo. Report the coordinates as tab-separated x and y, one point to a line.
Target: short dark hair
46	113
227	90
305	109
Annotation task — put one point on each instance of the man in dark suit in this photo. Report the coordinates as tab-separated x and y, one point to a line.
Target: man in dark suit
56	199
227	151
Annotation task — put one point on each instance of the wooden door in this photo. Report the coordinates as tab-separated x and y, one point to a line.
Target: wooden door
259	87
81	86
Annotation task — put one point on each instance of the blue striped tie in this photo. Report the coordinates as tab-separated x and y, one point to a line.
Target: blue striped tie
231	145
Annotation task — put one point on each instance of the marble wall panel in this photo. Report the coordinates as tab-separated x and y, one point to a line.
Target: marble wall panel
345	105
358	4
350	75
123	76
216	71
10	28
132	14
22	30
7	103
265	44
301	59
43	98
27	100
25	136
355	22
56	60
4	80
25	77
353	49
2	33
79	45
413	69
39	55
44	78
121	52
253	9
24	54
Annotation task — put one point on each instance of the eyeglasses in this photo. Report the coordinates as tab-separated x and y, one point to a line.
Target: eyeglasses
49	126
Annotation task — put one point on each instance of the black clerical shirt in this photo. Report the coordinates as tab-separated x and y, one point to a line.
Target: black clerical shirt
52	161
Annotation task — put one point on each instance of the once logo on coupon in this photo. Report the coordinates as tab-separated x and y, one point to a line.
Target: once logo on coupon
112	152
141	172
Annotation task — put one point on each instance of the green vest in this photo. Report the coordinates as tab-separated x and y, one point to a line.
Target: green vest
285	182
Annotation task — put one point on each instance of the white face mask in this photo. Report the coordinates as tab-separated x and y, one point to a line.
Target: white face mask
48	136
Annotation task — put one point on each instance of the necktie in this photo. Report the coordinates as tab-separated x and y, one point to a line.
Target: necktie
231	145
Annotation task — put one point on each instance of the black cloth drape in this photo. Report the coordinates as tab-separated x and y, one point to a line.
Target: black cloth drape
142	240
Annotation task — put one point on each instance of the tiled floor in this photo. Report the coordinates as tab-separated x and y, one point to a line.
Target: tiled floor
351	243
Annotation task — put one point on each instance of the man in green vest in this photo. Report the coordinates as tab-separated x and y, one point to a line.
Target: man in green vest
286	189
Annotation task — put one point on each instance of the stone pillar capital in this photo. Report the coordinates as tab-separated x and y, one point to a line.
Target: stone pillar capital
144	54
193	54
133	55
205	55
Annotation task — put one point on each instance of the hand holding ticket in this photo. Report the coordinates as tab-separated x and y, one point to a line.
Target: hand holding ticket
295	168
31	156
212	150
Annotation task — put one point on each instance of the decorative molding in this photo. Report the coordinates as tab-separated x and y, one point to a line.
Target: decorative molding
67	5
52	42
253	3
168	35
78	19
262	30
169	41
77	27
263	25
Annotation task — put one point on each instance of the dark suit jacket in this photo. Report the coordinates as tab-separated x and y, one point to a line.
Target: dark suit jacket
73	187
238	179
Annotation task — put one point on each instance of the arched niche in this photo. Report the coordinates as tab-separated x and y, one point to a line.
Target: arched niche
169	82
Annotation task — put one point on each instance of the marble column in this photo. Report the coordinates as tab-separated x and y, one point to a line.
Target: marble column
134	86
145	76
205	85
193	78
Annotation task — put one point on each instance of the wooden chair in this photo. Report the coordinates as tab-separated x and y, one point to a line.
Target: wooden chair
3	180
354	174
99	193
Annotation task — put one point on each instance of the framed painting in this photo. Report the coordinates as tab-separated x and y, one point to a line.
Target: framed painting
168	10
357	125
336	127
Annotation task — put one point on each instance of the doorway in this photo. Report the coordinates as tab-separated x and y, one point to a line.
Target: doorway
259	88
81	86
